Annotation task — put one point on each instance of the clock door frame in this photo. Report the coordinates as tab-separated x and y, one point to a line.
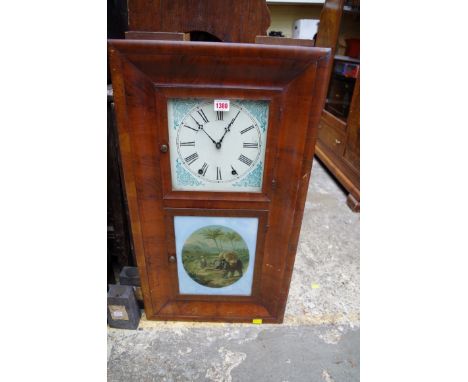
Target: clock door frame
262	217
273	97
144	73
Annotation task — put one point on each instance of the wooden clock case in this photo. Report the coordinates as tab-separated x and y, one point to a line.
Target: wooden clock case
145	74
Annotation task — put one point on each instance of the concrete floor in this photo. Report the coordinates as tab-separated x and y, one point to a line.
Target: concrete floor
318	341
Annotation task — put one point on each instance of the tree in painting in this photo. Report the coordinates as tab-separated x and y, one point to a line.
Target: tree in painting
214	234
232	237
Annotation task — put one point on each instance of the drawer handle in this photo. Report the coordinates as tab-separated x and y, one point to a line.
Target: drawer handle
337	141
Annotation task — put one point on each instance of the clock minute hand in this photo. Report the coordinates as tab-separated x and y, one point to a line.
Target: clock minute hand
200	127
212	140
228	128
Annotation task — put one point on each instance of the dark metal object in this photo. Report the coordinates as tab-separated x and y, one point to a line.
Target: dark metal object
122	307
276	34
172	259
163	148
129	276
119	242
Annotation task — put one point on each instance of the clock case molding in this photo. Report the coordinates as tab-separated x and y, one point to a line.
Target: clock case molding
145	74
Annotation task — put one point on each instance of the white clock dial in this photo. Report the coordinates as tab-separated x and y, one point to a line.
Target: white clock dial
218	149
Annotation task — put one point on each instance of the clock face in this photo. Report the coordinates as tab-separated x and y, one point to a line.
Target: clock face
217	150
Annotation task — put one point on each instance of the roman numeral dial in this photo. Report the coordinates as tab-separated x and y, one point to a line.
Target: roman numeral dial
191	128
247	129
245	160
186	144
203	169
191	158
218	150
202	115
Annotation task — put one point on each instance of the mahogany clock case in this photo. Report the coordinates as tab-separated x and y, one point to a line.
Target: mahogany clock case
292	79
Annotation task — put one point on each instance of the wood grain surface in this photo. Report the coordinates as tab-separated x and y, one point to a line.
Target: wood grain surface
227	20
292	79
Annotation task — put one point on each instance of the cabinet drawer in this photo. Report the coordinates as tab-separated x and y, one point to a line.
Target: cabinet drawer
332	137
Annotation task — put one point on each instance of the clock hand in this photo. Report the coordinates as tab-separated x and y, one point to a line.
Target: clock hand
212	140
226	129
200	127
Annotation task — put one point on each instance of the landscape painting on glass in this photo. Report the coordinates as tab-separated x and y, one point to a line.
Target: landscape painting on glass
215	255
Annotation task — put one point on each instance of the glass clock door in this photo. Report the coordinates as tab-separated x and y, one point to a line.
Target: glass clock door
213	150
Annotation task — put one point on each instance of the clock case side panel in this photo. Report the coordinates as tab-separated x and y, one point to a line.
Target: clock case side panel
318	92
134	98
301	108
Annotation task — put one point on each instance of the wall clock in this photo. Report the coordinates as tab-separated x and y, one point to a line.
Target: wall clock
216	196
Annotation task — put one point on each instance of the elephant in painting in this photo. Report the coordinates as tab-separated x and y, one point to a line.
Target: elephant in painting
230	263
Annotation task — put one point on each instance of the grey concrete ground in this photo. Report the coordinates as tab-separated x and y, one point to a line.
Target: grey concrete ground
318	341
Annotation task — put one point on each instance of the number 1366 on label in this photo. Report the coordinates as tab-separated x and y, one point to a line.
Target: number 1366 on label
221	105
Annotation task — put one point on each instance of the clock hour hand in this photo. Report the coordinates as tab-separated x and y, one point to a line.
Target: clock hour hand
200	127
226	129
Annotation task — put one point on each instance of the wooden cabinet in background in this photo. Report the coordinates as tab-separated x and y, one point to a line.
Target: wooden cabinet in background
339	129
338	148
